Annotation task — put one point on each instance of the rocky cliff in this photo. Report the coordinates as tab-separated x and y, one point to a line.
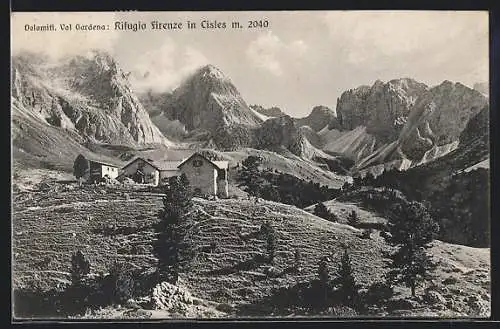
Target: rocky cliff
409	123
273	112
209	101
438	117
382	108
89	95
482	87
319	118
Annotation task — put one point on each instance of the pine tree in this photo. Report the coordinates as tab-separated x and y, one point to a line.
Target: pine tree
170	248
353	219
297	259
250	175
321	210
80	267
271	244
348	288
324	279
80	166
412	230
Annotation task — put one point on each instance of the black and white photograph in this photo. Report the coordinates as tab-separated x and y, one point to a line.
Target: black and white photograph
250	165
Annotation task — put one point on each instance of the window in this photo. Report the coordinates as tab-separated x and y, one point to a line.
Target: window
197	163
221	173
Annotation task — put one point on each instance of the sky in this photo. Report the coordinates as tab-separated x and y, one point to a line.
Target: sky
300	60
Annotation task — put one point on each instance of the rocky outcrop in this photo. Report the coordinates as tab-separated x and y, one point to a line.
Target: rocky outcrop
477	129
273	112
382	108
483	88
410	124
89	95
438	118
208	100
276	133
319	118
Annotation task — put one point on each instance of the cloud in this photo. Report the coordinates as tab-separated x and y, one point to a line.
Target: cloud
163	68
370	36
269	52
59	43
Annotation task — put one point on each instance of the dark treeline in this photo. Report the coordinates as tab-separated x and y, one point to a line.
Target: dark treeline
286	188
281	187
459	202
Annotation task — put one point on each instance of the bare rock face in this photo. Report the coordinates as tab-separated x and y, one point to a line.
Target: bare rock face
438	117
278	132
382	108
89	95
409	121
482	87
273	112
319	118
207	101
477	128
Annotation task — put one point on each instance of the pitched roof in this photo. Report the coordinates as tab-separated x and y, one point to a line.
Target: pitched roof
221	164
161	166
218	164
168	165
103	163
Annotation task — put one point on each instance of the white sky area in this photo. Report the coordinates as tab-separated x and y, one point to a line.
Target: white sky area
303	59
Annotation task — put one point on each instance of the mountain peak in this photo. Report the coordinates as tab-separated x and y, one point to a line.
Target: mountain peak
211	71
321	109
208	100
319	117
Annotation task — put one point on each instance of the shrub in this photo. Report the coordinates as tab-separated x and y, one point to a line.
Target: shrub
122	281
353	218
378	292
322	211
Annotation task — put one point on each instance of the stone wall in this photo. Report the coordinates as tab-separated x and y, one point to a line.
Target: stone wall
203	177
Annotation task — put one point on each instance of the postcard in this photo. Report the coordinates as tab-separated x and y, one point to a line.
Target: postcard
250	164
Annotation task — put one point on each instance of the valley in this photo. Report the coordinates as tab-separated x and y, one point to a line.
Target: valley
381	144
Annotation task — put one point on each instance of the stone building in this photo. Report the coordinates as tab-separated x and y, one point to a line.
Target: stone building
205	176
99	170
146	171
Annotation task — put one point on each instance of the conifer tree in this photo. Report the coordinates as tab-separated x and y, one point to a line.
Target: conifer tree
348	288
412	230
80	267
353	218
170	247
271	244
250	175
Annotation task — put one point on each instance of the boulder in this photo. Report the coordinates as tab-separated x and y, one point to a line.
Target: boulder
434	297
169	297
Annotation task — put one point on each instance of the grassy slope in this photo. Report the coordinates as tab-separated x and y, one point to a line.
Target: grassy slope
47	230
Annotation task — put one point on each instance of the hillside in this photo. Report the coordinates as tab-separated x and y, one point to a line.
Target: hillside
111	224
456	185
